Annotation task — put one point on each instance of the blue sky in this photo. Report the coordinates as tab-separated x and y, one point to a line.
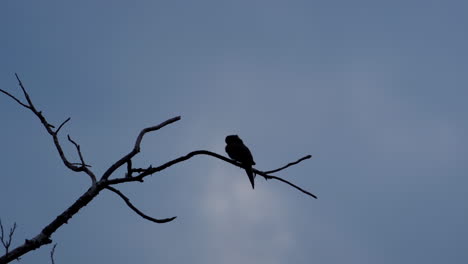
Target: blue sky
374	90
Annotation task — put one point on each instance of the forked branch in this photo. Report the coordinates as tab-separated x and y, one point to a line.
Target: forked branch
49	128
6	239
44	237
146	172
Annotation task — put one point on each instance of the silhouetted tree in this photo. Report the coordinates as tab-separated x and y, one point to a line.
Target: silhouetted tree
105	182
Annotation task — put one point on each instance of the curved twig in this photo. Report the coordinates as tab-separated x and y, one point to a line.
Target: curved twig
289	164
52	252
129	204
136	148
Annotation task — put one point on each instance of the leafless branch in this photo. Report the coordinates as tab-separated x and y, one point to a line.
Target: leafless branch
47	126
136	148
150	171
44	237
288	165
14	98
61	125
83	164
26	95
6	241
290	183
129	169
129	204
52	252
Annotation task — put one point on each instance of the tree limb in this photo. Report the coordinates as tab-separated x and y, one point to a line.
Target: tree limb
151	170
47	126
136	148
129	204
44	237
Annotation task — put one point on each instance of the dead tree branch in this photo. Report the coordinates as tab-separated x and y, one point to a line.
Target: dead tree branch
129	204
6	241
44	237
136	148
150	171
47	126
288	165
83	164
52	252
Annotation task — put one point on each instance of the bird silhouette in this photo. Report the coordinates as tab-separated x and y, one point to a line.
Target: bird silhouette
237	151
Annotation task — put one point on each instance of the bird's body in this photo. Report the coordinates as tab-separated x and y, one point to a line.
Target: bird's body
237	151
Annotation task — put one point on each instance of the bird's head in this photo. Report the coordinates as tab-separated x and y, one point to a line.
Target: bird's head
233	139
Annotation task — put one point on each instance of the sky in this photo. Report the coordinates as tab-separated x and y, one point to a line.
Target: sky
375	91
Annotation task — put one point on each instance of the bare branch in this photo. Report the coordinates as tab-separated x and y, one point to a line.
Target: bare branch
26	95
48	127
136	148
83	164
129	169
52	252
6	242
61	125
127	201
150	170
289	164
292	184
14	98
43	238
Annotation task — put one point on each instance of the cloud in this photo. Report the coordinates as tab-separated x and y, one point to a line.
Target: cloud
245	225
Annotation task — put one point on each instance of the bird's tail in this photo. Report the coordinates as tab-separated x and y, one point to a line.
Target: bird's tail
251	176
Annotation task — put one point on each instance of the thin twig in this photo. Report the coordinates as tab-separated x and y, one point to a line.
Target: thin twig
6	242
129	169
290	183
83	164
26	95
52	252
288	165
14	98
129	204
61	125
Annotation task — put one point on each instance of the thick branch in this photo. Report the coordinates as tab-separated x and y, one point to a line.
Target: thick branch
129	204
43	237
151	170
136	148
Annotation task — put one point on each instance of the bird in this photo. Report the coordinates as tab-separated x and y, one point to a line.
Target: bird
237	151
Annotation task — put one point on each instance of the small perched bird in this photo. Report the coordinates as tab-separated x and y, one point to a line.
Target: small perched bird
237	151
